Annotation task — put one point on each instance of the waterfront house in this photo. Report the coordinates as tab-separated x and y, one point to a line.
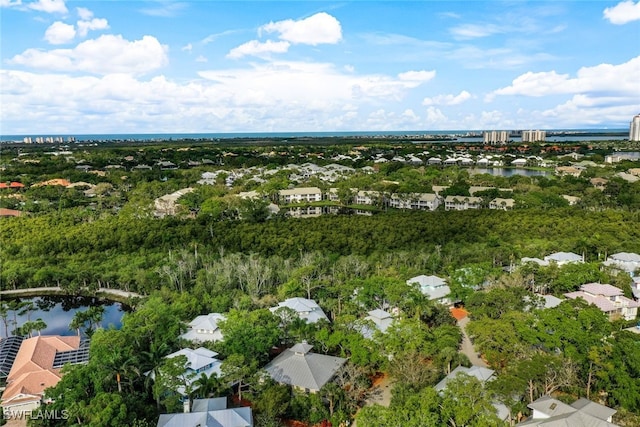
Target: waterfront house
301	195
37	367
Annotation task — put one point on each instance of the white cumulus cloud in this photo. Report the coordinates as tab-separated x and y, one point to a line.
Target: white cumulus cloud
84	13
93	24
448	99
104	55
622	13
320	28
257	48
60	33
49	6
598	80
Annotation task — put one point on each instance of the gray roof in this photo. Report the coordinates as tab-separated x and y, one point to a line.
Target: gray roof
583	413
550	301
206	405
478	372
381	321
625	257
427	281
432	286
204	328
593	408
550	406
307	309
236	417
299	367
563	257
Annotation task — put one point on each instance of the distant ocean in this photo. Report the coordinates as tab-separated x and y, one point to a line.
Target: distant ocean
460	135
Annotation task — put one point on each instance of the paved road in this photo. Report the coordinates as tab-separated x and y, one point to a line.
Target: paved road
467	348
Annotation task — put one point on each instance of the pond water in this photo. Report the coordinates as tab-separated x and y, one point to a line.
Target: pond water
507	172
58	311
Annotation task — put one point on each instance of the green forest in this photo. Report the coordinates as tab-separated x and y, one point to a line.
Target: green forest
207	259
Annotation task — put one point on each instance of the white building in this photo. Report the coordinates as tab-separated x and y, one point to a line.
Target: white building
366	197
415	201
609	299
300	195
533	135
634	129
307	309
462	203
496	137
433	287
626	261
204	328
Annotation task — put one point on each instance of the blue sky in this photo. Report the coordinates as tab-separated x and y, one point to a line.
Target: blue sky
78	67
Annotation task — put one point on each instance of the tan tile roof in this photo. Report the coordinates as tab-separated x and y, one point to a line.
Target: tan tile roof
57	181
32	371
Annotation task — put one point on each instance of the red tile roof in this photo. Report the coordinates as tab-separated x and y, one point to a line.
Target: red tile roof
12	184
9	212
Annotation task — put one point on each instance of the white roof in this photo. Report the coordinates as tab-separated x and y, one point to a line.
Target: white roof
625	257
563	257
381	319
307	309
550	301
198	358
427	281
236	417
478	372
204	328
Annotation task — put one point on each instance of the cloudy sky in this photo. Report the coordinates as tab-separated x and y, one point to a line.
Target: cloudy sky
90	67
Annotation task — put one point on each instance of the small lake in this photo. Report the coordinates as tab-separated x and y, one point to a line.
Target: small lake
58	311
507	172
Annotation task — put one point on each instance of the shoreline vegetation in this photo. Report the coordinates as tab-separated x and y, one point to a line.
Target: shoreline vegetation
114	295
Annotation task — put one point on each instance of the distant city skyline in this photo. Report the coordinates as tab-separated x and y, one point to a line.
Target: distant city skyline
104	67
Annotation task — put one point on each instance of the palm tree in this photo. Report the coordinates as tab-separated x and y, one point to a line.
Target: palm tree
4	315
79	319
205	387
39	325
150	364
